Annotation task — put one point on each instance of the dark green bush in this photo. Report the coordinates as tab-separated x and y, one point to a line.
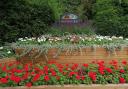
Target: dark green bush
111	17
20	18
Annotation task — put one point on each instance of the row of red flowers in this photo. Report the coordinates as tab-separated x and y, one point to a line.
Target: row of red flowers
17	74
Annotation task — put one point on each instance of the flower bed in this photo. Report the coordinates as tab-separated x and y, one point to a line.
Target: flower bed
97	72
71	49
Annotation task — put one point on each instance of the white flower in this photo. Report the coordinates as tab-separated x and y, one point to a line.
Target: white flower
99	39
26	37
1	48
114	37
89	39
23	40
30	39
126	39
120	37
20	39
83	39
110	39
9	52
38	40
33	38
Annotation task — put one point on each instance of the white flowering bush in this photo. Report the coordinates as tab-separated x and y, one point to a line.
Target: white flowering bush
74	39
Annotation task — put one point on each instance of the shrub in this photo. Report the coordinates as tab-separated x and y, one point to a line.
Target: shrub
71	30
20	18
111	17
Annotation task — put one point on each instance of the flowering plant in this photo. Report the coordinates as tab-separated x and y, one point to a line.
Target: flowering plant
68	43
79	39
97	72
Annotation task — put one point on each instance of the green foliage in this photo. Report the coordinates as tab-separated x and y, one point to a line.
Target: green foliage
111	17
57	8
20	18
59	31
83	8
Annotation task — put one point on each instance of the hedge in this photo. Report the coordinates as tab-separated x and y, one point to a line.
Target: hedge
19	18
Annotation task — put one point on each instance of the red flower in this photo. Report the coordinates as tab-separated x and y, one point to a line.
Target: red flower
25	76
85	65
33	73
18	71
67	68
60	66
82	77
122	71
114	62
3	80
67	65
53	73
60	70
92	75
100	63
124	62
51	69
78	77
37	69
10	64
101	70
26	68
46	78
93	78
46	72
4	68
16	79
41	72
71	74
36	77
64	73
109	70
73	67
29	84
45	68
57	77
122	80
6	77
